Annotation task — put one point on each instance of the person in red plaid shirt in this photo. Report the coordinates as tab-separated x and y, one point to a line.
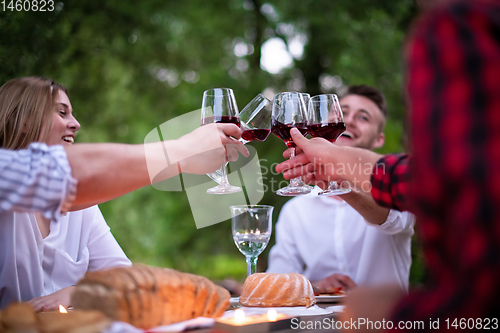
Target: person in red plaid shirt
452	179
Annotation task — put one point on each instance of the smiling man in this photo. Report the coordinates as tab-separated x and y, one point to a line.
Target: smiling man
349	240
365	113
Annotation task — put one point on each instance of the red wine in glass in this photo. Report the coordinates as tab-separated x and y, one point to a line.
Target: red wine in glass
330	131
255	134
282	131
221	119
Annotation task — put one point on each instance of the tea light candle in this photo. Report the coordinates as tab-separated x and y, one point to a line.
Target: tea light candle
240	318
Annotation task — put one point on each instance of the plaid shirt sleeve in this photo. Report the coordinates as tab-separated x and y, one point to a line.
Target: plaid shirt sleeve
453	60
390	181
37	179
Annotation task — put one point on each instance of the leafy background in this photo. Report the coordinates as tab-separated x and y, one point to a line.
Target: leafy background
132	65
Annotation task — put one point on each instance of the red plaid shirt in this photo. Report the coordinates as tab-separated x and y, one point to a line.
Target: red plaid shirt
453	60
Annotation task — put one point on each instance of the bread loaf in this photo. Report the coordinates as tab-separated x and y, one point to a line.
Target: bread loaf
21	317
147	297
272	290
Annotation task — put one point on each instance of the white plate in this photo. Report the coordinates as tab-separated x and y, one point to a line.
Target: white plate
329	298
235	301
289	311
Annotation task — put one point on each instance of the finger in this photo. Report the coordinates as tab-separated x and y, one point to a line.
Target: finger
299	171
232	150
292	163
288	153
309	178
50	307
242	149
332	283
230	130
228	141
298	138
346	281
231	153
37	306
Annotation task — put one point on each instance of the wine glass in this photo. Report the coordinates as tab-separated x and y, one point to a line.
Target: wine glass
252	227
219	106
255	121
306	98
289	110
325	120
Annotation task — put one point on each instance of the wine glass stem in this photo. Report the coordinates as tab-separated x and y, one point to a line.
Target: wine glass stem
295	182
251	265
333	185
223	180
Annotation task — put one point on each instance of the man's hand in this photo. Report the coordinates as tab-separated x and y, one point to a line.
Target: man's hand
318	160
333	281
51	302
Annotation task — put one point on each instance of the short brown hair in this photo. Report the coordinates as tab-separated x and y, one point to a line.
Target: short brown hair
373	94
26	104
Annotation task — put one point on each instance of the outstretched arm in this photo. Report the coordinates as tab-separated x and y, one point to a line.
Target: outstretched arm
106	171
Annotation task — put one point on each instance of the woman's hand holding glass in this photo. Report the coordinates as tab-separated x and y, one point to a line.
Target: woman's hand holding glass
255	123
219	106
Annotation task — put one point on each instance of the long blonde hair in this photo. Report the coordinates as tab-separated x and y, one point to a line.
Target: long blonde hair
26	106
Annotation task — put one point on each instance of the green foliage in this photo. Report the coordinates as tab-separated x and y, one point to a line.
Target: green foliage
132	65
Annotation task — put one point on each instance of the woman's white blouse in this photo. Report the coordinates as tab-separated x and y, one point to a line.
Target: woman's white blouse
31	266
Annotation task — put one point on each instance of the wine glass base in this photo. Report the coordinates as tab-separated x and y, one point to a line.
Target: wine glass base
227	189
338	191
291	191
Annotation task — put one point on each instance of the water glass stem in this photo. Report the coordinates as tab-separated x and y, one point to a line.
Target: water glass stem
251	265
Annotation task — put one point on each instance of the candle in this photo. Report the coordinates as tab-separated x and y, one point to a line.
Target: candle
240	318
272	315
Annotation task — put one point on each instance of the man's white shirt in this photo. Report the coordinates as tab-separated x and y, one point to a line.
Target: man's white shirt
318	236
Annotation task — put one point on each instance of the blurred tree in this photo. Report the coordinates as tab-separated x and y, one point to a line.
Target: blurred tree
132	65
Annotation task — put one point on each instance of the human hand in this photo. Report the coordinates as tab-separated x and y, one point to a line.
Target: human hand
52	301
207	148
318	161
334	281
314	160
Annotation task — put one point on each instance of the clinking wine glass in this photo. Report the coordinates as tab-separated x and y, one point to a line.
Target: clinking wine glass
325	120
255	122
256	119
219	106
289	110
252	228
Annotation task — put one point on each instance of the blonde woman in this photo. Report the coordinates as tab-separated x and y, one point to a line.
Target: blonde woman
41	259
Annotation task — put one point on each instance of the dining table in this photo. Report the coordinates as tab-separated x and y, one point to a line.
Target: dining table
298	324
